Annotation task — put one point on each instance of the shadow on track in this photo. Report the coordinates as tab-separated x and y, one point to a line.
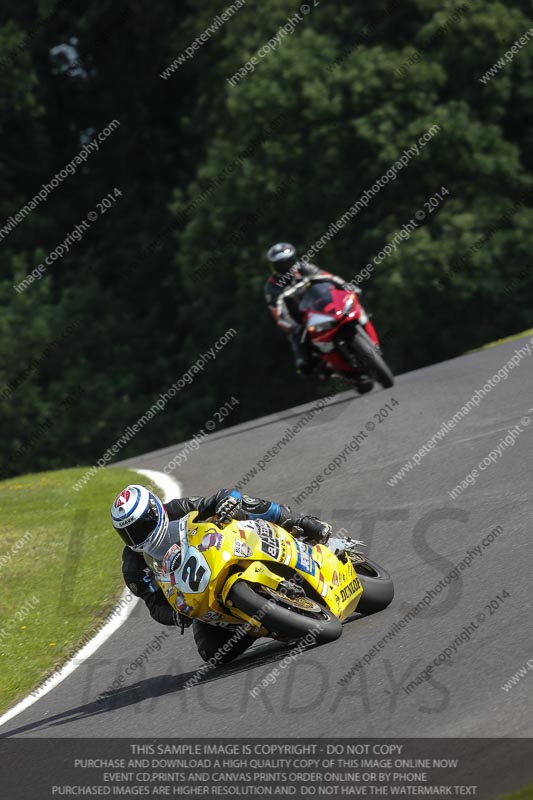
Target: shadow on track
156	687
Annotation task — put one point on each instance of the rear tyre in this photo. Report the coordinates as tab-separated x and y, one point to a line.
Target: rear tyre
285	618
371	359
378	588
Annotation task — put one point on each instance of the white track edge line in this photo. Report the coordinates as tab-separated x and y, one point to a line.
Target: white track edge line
171	488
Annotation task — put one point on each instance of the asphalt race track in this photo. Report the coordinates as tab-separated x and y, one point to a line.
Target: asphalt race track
415	529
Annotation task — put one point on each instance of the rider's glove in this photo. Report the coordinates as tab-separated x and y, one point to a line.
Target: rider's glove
228	507
314	530
149	579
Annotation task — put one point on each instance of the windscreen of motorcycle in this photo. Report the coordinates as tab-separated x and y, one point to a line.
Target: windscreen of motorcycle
166	554
318	297
177	565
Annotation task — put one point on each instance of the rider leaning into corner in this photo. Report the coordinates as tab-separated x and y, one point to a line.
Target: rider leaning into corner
287	272
143	522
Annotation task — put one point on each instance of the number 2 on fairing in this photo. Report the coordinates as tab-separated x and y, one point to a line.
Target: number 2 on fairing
195	573
192	573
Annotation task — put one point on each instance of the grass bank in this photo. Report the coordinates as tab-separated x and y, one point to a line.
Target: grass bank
60	569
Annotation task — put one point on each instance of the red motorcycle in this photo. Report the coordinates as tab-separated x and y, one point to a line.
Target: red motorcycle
340	333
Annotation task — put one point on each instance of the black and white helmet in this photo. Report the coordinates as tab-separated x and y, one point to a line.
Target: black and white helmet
282	257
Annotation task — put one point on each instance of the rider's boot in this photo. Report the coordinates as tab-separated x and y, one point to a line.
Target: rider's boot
302	357
363	383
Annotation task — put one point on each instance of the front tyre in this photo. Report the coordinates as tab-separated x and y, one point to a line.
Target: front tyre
371	359
283	617
378	588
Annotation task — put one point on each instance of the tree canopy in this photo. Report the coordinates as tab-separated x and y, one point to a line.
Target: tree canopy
210	173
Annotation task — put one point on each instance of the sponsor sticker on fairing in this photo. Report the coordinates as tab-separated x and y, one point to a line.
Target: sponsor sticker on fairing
181	604
213	538
348	591
171	559
269	542
212	617
305	558
319	555
242	549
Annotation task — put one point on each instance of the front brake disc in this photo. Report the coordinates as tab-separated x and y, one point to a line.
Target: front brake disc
300	603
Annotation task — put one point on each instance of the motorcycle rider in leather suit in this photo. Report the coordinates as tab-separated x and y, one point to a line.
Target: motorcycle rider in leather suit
141	519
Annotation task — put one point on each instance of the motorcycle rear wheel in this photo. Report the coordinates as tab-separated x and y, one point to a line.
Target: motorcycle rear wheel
378	588
371	359
284	620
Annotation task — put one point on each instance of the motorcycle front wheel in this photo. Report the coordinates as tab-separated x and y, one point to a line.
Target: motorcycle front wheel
284	617
370	359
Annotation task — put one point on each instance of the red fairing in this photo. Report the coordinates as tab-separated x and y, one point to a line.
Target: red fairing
330	313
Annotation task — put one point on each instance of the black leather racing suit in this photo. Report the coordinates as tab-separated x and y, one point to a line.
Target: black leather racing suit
289	317
208	638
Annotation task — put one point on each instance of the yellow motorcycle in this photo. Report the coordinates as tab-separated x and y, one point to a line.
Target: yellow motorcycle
255	573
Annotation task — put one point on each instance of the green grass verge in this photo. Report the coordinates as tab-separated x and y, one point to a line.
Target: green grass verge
502	341
523	794
60	570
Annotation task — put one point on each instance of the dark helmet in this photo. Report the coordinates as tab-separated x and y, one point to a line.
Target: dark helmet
282	257
137	514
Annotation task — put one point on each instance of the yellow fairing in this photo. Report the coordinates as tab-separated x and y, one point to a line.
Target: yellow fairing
214	558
